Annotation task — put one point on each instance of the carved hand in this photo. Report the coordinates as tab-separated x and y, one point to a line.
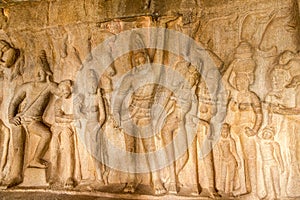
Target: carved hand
249	132
15	121
117	120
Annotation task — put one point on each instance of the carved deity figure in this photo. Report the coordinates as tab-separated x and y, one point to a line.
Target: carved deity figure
168	133
141	102
200	151
94	112
185	88
230	162
243	63
106	86
25	115
271	162
244	114
62	143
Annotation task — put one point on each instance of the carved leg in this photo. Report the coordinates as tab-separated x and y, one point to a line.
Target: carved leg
130	143
231	168
276	181
67	142
268	181
18	143
167	137
149	146
54	148
43	131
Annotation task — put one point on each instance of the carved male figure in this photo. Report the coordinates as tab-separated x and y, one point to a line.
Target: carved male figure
230	161
62	143
271	160
140	110
25	115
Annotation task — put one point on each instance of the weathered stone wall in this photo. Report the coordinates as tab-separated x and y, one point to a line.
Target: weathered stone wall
250	42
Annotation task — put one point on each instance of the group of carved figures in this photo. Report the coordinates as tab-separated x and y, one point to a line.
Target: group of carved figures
252	128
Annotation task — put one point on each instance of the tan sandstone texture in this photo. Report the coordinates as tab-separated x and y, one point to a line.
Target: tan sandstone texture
149	99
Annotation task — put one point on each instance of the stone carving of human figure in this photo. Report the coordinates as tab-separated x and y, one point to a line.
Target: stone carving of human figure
271	162
292	114
8	54
4	141
25	115
106	86
290	61
168	133
201	153
10	58
244	114
62	143
230	162
280	96
142	100
243	63
186	91
95	114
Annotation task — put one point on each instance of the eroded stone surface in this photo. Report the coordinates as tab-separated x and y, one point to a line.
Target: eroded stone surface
106	98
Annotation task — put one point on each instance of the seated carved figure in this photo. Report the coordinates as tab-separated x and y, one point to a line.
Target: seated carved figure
62	143
25	115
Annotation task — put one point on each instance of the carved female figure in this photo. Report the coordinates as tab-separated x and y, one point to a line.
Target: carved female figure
95	115
245	117
230	161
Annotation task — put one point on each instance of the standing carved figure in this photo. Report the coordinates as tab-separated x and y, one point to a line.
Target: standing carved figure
95	115
62	144
168	133
244	114
142	100
271	160
230	161
25	115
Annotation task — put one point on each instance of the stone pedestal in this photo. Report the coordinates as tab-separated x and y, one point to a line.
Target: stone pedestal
34	177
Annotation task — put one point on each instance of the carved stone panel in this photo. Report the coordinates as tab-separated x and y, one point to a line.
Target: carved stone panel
150	99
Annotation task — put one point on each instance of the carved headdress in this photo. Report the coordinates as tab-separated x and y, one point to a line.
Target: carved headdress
44	64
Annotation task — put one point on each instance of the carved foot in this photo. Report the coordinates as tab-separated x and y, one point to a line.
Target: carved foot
129	188
41	164
158	187
105	177
207	193
69	183
172	188
13	182
223	194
